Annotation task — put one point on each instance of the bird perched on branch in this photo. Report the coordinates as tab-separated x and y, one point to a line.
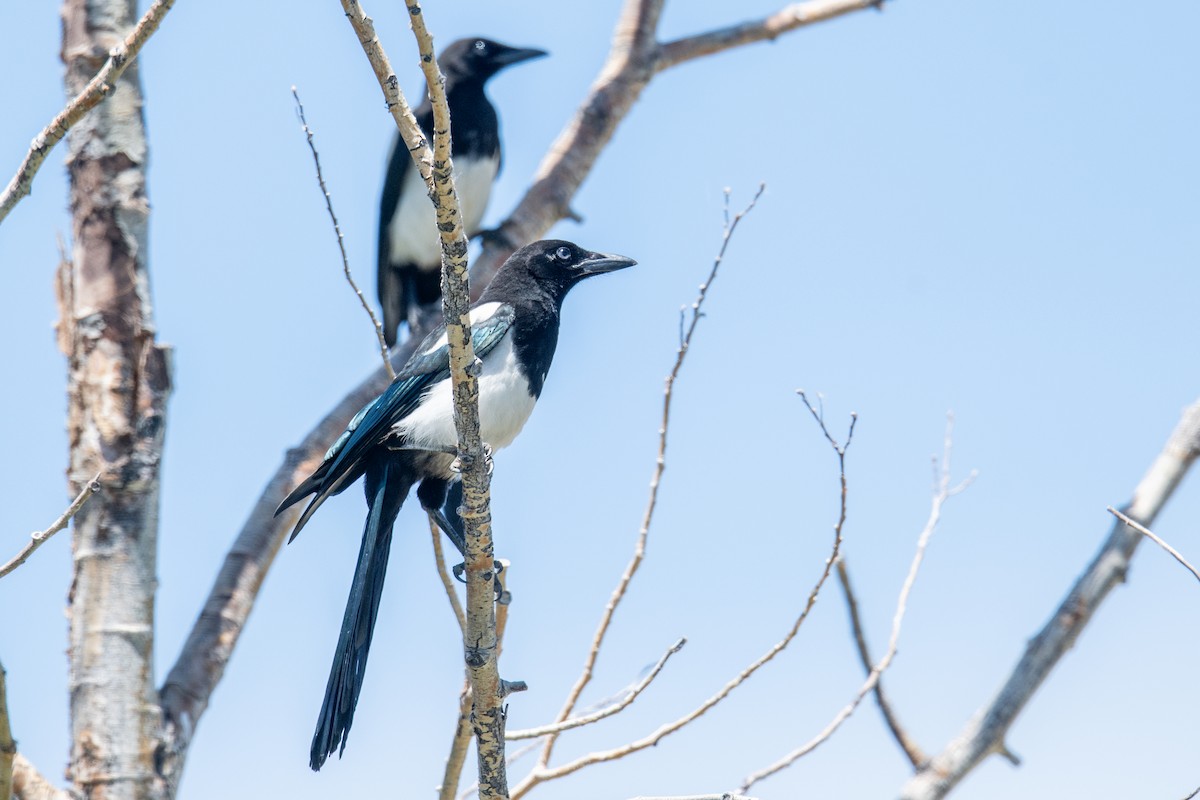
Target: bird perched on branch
406	437
410	255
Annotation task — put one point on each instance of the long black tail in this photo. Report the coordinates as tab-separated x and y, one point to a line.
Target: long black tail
386	488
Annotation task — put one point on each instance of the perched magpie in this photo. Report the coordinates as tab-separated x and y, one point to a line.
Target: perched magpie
410	257
406	437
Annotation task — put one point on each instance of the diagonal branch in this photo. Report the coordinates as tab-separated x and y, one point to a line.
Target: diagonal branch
984	733
542	773
38	538
99	88
1149	534
943	491
606	711
911	749
341	240
660	465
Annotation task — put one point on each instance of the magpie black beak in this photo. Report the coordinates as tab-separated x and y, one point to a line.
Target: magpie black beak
599	263
515	55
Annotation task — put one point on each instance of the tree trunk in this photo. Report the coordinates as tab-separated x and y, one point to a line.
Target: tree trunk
117	391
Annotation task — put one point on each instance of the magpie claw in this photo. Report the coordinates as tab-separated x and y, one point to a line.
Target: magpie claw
503	596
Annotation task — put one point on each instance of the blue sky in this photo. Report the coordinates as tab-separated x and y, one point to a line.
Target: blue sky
977	207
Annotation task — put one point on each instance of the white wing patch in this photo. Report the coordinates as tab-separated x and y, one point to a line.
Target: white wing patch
504	404
478	314
413	228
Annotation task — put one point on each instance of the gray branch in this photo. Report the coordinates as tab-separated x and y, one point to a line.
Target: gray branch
985	733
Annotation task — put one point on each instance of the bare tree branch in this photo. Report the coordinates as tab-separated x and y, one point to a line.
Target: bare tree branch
38	538
984	733
439	558
91	95
787	19
660	465
1149	534
911	749
29	784
541	773
942	492
633	61
458	745
337	229
606	711
725	796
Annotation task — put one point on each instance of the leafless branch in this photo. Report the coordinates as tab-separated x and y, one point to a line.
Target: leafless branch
984	733
911	749
337	229
38	538
439	558
725	796
458	745
769	28
99	88
1149	534
542	773
606	711
635	57
29	784
8	748
942	492
660	464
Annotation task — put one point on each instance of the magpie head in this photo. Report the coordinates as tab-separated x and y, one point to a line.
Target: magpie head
480	59
557	265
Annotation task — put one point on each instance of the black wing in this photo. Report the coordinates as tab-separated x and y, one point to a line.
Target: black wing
345	461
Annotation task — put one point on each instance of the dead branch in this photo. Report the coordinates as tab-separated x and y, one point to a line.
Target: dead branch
99	88
541	773
984	733
337	229
29	784
943	491
606	711
660	465
38	538
634	58
8	748
911	749
1149	534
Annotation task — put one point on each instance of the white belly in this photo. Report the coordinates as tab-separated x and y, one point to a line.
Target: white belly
413	229
504	405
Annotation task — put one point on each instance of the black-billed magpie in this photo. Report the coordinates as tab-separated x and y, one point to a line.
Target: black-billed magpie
410	256
406	437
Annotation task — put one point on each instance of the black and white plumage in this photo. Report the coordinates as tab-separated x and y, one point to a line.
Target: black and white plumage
406	437
410	256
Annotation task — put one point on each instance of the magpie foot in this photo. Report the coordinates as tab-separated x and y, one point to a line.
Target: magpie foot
460	463
496	237
503	596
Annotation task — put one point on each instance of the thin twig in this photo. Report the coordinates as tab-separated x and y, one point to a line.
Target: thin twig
911	749
439	558
459	745
99	88
337	229
607	711
38	538
542	773
942	492
660	464
1144	531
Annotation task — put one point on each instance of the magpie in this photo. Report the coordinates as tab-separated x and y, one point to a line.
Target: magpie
410	256
406	437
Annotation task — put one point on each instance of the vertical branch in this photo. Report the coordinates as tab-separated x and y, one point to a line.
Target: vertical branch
119	381
8	748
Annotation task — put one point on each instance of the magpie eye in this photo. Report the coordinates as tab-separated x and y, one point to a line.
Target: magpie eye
480	45
563	254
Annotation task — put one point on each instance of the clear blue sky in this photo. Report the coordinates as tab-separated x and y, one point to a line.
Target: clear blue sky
984	207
